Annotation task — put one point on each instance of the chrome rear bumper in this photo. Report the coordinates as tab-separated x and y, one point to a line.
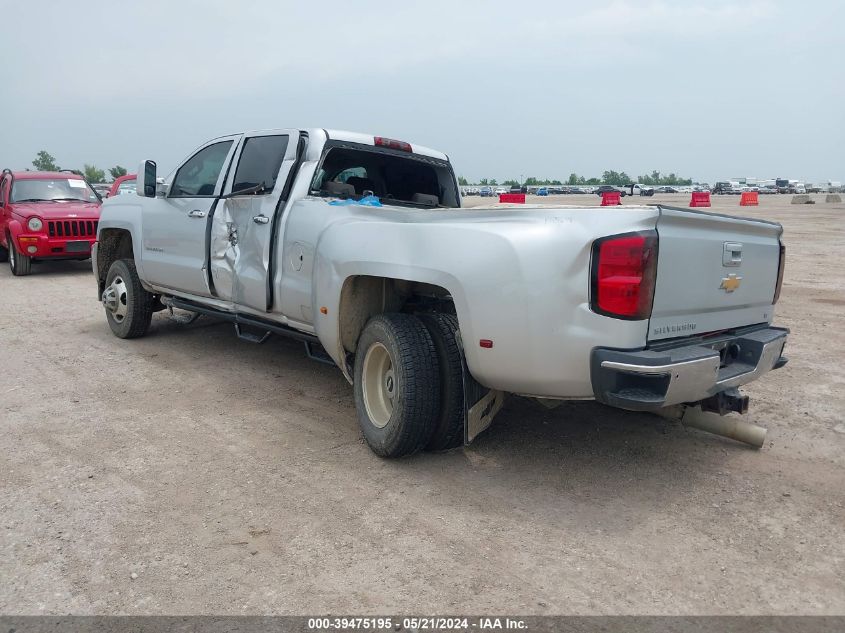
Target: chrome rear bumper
648	380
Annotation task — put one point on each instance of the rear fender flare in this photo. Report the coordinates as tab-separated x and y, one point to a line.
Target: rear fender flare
329	289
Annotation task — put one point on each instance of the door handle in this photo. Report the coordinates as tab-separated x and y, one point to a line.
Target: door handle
196	213
261	219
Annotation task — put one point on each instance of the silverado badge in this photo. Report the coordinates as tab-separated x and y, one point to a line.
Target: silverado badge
730	283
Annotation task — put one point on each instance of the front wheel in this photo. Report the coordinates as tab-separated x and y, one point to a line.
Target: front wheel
21	265
397	384
129	308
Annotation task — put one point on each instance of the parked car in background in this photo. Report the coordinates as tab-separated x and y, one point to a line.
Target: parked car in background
102	188
722	188
609	188
500	191
768	189
122	185
486	192
798	188
46	215
542	191
637	189
665	189
518	189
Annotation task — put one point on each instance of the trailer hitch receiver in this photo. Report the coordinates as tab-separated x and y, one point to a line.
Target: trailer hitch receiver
727	401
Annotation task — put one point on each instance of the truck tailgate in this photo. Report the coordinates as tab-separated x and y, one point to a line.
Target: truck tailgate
714	272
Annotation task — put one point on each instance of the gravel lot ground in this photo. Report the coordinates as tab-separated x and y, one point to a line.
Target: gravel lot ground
188	472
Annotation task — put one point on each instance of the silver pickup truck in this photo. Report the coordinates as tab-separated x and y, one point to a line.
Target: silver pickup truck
357	245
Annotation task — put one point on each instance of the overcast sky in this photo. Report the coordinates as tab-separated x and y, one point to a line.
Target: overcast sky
707	89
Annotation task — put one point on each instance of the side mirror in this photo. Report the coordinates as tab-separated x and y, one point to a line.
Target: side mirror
145	185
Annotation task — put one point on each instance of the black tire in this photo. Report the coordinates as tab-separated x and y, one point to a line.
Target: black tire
4	254
137	303
449	429
21	265
406	425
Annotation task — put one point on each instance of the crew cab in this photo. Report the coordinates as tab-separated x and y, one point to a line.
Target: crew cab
357	245
45	215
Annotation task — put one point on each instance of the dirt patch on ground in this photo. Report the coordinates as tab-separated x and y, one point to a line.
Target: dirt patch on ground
188	472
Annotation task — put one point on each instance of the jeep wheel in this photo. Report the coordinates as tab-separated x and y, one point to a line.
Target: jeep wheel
20	264
449	429
129	308
4	253
397	386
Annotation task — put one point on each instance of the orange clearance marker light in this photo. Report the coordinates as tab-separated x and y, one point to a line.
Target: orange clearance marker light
486	343
324	310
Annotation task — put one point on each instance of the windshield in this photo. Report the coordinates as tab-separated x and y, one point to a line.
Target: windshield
52	189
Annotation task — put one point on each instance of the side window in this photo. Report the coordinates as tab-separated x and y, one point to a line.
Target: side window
260	161
198	176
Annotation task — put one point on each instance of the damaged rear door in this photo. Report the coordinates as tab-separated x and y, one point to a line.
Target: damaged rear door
245	221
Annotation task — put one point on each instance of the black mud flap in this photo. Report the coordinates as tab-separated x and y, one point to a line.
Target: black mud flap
480	403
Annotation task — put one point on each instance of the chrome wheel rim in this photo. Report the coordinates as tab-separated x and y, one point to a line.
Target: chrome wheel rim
114	299
378	385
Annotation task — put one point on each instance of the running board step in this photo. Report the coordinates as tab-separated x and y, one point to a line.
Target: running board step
315	351
249	337
255	323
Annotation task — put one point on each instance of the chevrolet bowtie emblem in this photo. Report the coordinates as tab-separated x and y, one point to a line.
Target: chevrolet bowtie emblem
730	283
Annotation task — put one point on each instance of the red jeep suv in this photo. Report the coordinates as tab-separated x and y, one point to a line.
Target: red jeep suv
46	215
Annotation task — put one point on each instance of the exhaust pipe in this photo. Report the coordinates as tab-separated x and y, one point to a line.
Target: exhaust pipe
730	427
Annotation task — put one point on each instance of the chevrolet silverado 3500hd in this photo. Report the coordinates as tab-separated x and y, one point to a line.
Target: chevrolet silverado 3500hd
357	244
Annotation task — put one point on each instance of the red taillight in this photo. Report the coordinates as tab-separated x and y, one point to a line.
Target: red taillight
623	274
393	144
781	265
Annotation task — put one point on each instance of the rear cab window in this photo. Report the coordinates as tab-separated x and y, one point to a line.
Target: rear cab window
395	177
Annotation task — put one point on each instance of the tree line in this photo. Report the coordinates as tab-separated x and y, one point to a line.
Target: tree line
45	162
609	177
